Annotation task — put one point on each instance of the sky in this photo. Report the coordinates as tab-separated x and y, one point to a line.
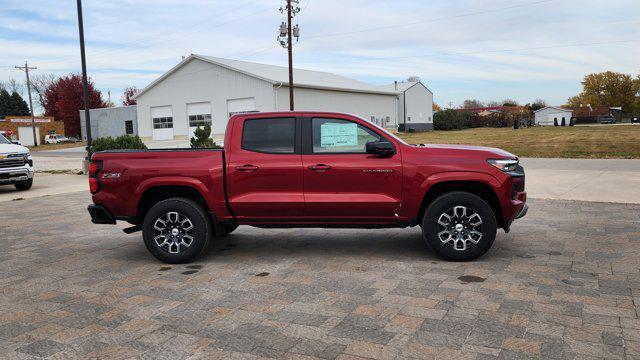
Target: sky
481	49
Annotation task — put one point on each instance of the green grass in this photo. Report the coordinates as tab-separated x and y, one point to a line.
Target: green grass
591	142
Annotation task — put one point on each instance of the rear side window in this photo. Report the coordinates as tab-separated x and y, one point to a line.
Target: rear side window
277	136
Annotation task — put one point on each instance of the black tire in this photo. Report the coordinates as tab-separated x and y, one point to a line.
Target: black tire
227	229
24	185
172	251
469	246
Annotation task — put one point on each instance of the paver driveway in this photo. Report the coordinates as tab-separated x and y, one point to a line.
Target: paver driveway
563	284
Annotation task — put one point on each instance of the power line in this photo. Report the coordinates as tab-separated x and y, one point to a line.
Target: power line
481	12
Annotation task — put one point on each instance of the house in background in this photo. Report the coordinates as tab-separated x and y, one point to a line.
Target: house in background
553	115
590	115
415	105
113	121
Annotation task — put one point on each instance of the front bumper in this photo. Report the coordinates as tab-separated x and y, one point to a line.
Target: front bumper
14	175
100	215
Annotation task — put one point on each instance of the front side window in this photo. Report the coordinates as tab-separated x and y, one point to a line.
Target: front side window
340	136
163	123
276	135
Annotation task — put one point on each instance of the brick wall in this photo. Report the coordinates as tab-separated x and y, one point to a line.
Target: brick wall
45	123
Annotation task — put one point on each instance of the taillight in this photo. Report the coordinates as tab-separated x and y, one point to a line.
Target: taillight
94	172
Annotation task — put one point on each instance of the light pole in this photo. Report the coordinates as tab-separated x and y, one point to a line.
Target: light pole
85	86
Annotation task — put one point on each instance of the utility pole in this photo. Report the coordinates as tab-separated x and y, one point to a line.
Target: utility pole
26	69
285	38
85	86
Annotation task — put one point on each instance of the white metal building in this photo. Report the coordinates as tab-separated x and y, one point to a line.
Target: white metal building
203	89
415	105
552	115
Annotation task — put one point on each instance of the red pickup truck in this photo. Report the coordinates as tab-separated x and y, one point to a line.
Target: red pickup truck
308	169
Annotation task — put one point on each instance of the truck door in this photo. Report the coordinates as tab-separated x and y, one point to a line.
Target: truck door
341	181
264	170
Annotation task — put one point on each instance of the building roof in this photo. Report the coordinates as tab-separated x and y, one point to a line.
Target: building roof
403	86
494	108
280	75
554	107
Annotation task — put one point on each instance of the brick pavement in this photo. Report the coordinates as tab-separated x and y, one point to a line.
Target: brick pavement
563	284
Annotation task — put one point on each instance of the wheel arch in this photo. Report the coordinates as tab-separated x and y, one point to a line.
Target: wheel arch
154	194
479	188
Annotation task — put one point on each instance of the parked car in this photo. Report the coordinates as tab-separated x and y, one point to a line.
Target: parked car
55	139
304	169
16	165
607	119
635	120
74	139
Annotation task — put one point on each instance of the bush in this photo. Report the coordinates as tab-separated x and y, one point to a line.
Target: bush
451	120
124	142
497	119
202	138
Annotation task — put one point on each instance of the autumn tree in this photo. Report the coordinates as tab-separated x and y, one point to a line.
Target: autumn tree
436	107
128	97
63	100
608	89
472	103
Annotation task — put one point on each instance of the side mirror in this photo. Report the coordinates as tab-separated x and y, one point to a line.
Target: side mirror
15	142
383	148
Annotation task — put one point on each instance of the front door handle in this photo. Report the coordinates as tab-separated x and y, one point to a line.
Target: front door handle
319	167
247	168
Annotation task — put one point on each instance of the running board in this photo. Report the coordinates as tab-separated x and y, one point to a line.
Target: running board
131	230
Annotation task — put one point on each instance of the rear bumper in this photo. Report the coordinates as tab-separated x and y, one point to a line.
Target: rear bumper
100	215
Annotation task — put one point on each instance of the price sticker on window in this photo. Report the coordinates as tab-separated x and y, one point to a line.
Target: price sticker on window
337	135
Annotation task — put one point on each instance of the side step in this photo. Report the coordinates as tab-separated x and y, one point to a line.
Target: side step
131	230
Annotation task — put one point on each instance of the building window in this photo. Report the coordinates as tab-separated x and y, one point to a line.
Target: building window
276	135
388	119
409	118
163	123
128	127
199	120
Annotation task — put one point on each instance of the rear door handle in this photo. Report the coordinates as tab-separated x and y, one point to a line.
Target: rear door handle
319	167
247	168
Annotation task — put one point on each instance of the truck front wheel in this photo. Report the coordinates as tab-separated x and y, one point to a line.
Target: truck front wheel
176	230
459	226
24	185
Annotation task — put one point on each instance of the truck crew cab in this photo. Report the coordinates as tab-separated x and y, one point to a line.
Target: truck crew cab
308	169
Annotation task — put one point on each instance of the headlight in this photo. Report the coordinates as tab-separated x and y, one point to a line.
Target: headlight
504	164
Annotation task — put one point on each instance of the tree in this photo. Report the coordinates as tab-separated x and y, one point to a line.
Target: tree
493	103
413	78
39	85
509	102
472	103
451	119
436	107
202	137
12	85
608	89
128	96
538	104
63	100
19	106
5	103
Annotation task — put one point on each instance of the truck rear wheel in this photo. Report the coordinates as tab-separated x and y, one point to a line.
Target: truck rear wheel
176	230
24	185
459	226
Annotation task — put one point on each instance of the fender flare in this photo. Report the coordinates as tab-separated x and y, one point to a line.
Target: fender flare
468	176
174	181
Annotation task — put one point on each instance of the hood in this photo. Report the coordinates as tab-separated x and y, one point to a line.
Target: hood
471	150
12	149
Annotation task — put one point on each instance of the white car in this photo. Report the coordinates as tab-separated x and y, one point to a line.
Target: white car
16	165
55	139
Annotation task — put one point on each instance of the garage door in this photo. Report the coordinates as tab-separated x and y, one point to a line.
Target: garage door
240	106
198	114
162	121
25	135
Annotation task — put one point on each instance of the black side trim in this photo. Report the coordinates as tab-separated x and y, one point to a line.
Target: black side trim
100	215
224	185
523	212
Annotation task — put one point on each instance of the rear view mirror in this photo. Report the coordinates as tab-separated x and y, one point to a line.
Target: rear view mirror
383	147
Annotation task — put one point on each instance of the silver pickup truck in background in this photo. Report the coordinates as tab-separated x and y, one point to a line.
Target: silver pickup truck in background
16	165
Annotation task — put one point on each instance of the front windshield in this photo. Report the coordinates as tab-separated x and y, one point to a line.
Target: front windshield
3	140
387	132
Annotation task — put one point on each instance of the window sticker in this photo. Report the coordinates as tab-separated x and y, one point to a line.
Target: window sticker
335	135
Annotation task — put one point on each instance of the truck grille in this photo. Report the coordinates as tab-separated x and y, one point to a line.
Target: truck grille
11	161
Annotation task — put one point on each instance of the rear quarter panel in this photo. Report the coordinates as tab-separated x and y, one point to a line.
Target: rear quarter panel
140	171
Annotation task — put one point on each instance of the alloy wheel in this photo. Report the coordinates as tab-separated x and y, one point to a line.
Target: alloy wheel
173	232
460	227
